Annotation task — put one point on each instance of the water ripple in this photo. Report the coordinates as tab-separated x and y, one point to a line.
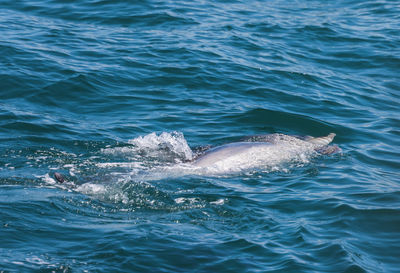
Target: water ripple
99	91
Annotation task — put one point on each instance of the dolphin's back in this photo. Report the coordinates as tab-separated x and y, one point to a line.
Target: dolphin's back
266	147
225	151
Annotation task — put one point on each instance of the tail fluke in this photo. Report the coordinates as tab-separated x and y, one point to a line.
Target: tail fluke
322	141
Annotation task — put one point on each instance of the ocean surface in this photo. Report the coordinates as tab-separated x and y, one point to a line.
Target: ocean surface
120	96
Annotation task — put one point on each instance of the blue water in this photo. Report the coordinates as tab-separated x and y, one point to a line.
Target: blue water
119	96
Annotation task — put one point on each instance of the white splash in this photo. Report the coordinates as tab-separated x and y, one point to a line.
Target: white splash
47	179
92	189
218	202
174	141
154	145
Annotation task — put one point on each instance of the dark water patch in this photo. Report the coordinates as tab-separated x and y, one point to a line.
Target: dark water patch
137	15
280	120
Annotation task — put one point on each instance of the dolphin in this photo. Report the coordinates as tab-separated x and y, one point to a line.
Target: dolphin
273	147
257	150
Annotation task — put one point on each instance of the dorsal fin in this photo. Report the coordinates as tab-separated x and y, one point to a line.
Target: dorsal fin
322	141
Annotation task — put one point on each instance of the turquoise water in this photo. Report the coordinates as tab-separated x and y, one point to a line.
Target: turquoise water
119	96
